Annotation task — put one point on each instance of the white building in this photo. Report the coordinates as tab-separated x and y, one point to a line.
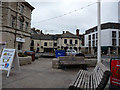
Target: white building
110	39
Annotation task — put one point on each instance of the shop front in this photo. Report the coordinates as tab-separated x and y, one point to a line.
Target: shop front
20	42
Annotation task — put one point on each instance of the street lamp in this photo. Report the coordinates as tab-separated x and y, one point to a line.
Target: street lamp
99	31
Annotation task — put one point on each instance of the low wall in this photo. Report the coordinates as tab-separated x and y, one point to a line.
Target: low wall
55	63
25	60
91	62
77	58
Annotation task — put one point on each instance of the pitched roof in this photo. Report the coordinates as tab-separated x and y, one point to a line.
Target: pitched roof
35	36
69	35
52	37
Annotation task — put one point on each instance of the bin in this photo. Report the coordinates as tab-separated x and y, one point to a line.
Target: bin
30	53
59	53
115	70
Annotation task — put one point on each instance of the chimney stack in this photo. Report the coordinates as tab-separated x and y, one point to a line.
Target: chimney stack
63	32
41	32
77	32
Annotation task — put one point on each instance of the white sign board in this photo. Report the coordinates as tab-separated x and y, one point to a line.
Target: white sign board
20	39
9	57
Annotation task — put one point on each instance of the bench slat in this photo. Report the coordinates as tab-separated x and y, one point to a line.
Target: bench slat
78	78
81	80
91	80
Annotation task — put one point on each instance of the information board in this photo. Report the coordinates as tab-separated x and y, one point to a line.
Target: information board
115	69
8	59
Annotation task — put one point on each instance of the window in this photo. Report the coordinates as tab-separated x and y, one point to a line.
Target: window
19	45
113	33
21	25
96	43
26	26
55	44
93	43
119	34
76	41
96	35
50	43
89	37
13	21
70	41
89	43
22	9
119	42
113	42
65	41
45	44
93	36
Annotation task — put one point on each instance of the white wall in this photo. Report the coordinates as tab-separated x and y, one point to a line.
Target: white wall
106	37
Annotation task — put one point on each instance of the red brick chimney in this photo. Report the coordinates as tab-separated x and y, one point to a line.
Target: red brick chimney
77	32
63	32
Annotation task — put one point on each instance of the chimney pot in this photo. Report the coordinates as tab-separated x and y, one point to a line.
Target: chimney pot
77	32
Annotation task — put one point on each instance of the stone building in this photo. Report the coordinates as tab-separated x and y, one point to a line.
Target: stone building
110	39
49	43
16	25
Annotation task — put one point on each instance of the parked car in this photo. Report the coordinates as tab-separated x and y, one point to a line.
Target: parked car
70	52
80	54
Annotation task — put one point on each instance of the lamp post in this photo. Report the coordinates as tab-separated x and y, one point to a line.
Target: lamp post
99	31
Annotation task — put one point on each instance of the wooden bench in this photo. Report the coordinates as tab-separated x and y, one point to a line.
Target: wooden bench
72	60
95	80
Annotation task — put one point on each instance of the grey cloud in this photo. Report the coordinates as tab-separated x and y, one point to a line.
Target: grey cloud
83	19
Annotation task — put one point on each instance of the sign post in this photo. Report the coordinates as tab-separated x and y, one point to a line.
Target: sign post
8	59
99	31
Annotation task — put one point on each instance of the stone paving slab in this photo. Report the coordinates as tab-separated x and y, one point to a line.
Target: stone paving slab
40	74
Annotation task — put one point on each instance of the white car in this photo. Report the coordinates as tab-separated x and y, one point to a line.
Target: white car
71	52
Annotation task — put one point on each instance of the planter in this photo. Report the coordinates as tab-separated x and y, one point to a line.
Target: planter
25	60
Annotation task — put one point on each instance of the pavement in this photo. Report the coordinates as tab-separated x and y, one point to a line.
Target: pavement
40	74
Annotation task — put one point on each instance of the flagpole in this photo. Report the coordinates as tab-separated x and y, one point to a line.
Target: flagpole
99	31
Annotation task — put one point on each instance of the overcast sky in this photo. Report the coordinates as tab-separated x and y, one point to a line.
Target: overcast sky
82	19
